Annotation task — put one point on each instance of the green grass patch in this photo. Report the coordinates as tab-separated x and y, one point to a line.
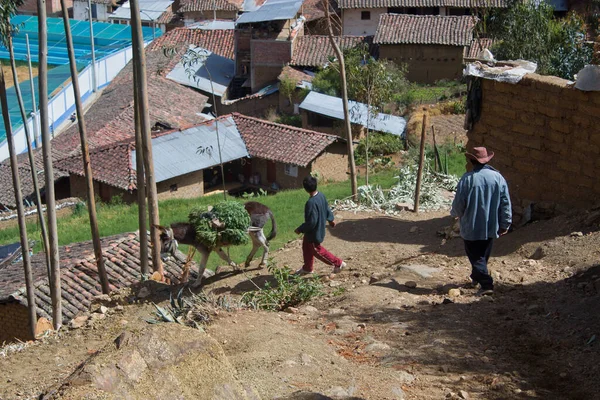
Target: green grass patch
115	217
429	94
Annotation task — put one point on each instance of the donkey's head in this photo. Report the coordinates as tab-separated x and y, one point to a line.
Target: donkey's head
168	244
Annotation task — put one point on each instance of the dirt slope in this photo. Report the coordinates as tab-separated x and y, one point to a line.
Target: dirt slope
373	337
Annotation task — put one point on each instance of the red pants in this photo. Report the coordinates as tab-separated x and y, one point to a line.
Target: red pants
311	250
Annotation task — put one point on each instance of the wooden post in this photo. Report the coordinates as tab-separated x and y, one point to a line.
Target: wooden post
20	211
139	57
140	177
421	159
344	87
34	178
85	154
438	160
48	167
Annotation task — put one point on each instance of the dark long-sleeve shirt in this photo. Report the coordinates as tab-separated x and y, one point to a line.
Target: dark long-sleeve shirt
316	215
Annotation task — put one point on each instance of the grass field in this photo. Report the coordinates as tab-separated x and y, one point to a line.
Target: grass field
288	207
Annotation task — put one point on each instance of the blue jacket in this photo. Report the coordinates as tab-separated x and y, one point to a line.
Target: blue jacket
482	203
316	215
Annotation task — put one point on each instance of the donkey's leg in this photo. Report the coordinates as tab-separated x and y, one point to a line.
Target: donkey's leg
262	239
225	257
255	245
203	261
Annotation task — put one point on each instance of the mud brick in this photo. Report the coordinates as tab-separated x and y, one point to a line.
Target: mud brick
595	98
569	94
533	119
558	176
501	98
569	166
526	166
583	181
525	129
496	121
549	111
582	120
556	147
595	138
531	142
519	151
561	126
580	135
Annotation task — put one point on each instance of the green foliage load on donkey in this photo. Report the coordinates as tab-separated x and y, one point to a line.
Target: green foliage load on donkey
226	223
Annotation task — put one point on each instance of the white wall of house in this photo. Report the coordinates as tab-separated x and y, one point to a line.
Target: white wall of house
80	12
355	25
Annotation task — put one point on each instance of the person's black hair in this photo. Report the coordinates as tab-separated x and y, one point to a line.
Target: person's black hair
310	184
476	163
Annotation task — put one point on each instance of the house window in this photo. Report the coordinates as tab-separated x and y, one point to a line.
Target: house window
173	187
291	170
365	15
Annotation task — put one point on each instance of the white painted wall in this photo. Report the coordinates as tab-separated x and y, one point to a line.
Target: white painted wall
62	105
354	25
80	11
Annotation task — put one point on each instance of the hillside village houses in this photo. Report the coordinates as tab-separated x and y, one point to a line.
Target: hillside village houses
239	64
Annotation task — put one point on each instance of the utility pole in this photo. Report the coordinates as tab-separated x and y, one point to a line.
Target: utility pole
85	154
94	79
48	167
139	63
20	212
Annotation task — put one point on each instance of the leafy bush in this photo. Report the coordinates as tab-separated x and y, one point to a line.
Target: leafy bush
293	120
290	290
380	144
234	217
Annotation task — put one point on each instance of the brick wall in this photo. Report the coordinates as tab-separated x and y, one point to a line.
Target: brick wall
268	58
52	7
426	63
188	186
14	322
546	137
103	191
332	165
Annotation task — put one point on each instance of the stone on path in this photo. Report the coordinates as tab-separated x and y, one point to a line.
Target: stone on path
410	284
423	271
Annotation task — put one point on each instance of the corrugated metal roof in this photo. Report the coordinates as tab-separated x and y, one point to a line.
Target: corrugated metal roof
220	69
149	10
212	25
332	107
177	153
272	10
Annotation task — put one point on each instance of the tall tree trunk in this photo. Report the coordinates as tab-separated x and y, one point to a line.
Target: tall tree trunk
36	186
85	154
140	177
20	212
139	63
48	167
344	87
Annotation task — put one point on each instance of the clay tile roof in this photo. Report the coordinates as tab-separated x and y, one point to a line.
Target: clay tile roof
208	5
168	17
297	75
217	41
477	46
316	50
424	29
281	143
344	4
111	165
313	10
79	275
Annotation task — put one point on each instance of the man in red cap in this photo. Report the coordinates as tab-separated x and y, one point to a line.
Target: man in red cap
482	204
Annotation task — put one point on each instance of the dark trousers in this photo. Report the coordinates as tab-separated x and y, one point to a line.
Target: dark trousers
478	252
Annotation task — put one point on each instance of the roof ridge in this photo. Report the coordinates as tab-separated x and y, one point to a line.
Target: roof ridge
236	114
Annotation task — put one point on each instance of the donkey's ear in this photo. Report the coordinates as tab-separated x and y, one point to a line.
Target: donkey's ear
159	227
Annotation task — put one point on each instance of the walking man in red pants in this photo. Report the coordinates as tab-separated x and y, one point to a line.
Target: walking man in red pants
316	214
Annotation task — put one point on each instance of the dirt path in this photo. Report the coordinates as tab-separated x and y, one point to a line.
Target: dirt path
374	337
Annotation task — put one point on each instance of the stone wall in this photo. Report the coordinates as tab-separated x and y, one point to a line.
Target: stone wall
546	136
14	323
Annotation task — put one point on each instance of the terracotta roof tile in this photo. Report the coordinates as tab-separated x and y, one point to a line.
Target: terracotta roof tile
296	74
281	143
217	41
313	10
316	50
344	4
169	17
79	275
208	5
477	46
425	29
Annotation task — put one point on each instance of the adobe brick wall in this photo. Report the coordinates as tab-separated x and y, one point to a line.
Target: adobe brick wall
546	137
188	186
332	165
14	323
426	63
103	191
267	59
52	7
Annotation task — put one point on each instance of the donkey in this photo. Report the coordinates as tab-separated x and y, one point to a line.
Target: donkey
184	233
